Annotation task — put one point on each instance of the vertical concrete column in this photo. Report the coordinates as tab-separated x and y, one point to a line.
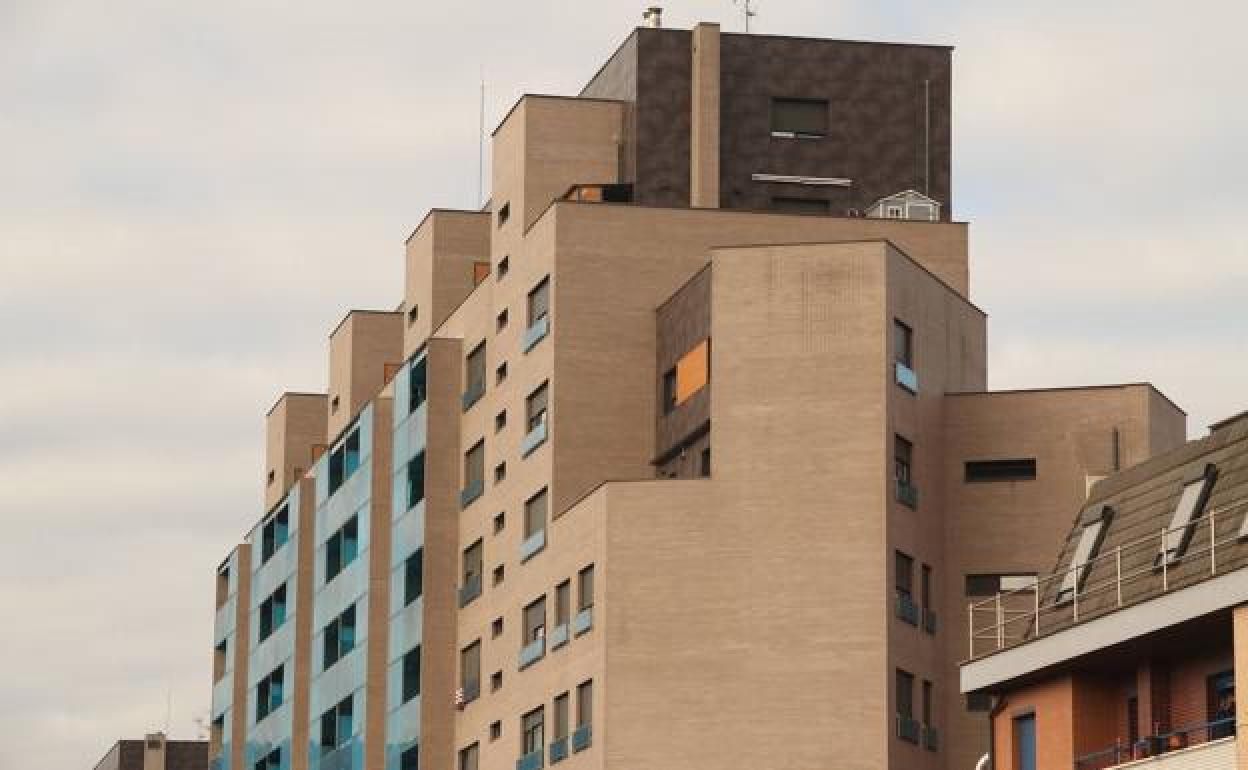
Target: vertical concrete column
304	589
154	751
704	124
1241	685
379	518
242	644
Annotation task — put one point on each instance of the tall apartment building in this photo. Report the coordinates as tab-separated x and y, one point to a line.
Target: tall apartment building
678	454
1130	653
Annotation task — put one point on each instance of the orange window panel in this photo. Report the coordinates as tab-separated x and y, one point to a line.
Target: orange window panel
693	370
480	271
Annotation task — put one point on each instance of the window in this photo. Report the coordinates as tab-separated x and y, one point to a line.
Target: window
1020	469
925	588
903	570
341	548
539	301
344	460
902	452
585	586
272	477
272	613
927	703
500	373
468	758
561	717
500	473
333	405
563	603
415	480
472	561
496	628
500	421
499	574
417	384
1220	689
410	758
791	205
978	702
1191	505
585	703
500	521
500	322
991	585
903	344
474	375
504	265
535	514
504	214
705	463
412	314
799	118
339	637
669	391
270	761
474	466
905	695
269	693
1025	742
274	534
496	681
496	730
413	576
336	726
1086	549
411	674
470	670
535	621
535	408
532	727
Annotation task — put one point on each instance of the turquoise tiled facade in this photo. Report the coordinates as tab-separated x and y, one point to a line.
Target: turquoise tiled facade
407	538
224	628
278	571
347	675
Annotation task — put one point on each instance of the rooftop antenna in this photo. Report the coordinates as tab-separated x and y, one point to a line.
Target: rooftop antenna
747	11
481	144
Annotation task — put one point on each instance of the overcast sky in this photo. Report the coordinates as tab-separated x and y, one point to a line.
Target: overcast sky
192	194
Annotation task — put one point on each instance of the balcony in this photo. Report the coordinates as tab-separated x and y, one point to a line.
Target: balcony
532	545
535	333
470	590
532	652
908	729
530	761
468	494
907	610
1205	746
931	738
559	636
929	621
474	393
907	494
558	750
533	439
906	377
581	738
583	621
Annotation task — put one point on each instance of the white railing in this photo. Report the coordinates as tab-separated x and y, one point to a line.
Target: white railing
1012	617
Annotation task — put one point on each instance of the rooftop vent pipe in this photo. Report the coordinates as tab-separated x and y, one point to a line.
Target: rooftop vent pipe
653	16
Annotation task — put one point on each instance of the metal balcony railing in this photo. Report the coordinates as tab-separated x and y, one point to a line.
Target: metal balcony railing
907	610
583	621
470	590
906	377
931	738
473	394
532	545
1152	746
532	652
929	620
558	750
908	729
470	493
533	439
907	494
558	636
530	761
1017	616
582	737
535	333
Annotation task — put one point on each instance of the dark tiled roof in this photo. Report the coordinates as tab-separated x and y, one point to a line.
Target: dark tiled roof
1142	501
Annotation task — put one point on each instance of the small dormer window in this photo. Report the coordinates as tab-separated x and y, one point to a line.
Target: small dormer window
1090	539
1192	499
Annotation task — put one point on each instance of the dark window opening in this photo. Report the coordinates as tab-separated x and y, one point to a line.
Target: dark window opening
799	118
791	205
1022	469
